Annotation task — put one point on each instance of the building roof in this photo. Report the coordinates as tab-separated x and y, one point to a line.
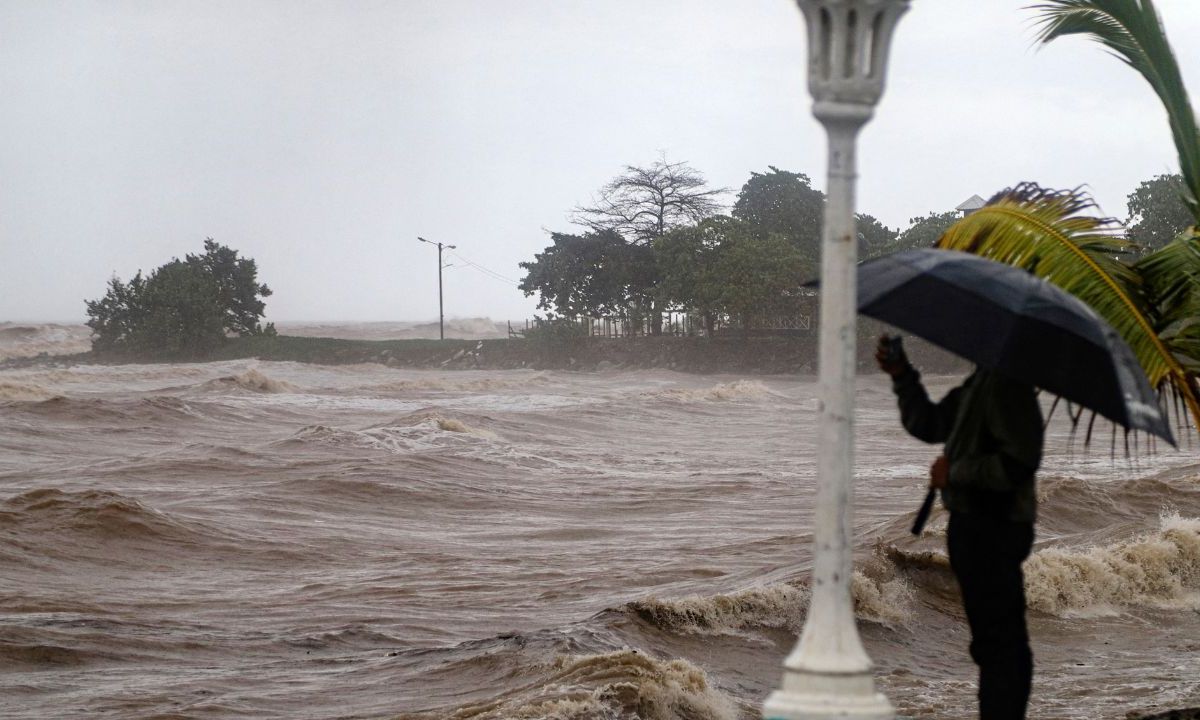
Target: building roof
972	203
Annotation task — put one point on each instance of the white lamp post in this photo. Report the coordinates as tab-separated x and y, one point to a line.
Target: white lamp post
829	675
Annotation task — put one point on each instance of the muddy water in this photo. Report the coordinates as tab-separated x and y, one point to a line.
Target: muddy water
275	540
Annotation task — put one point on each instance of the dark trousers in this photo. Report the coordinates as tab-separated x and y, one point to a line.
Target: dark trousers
986	555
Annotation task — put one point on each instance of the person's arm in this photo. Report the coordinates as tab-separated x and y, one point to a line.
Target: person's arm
1014	421
922	418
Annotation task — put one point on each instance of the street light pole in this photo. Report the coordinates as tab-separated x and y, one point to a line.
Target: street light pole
828	674
441	315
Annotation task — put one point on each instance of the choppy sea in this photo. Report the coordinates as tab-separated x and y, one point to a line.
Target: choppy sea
276	540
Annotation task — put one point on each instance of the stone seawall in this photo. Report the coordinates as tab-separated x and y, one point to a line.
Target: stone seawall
754	355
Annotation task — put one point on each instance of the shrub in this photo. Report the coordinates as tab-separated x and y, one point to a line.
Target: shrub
185	308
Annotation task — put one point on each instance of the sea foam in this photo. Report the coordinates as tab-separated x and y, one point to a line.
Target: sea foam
415	433
1159	569
736	390
252	379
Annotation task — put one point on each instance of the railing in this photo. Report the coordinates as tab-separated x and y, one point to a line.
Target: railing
677	324
794	322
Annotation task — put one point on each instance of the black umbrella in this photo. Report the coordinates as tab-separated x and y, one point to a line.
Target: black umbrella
1008	320
1005	319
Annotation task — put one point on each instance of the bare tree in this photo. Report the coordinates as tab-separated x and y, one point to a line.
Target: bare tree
643	203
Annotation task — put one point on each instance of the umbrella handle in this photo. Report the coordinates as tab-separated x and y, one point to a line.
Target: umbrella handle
923	513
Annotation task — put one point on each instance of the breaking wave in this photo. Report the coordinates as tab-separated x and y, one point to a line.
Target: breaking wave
253	380
426	419
23	392
29	340
882	600
621	685
452	425
413	433
779	606
918	559
736	390
1159	569
783	605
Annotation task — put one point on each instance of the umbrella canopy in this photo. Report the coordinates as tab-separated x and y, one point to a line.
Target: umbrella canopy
1008	320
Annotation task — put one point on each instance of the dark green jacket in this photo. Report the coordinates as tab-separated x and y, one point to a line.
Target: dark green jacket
992	427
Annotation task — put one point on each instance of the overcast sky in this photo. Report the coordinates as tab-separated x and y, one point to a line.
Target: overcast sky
321	138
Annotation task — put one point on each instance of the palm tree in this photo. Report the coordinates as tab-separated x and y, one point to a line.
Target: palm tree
1154	302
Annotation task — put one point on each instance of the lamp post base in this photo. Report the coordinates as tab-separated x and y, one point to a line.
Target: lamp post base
809	695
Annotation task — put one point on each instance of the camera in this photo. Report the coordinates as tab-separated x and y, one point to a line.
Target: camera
895	348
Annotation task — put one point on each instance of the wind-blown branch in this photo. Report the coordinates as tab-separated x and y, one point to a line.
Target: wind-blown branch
1131	31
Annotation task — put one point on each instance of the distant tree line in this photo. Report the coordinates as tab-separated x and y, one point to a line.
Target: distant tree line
183	309
654	240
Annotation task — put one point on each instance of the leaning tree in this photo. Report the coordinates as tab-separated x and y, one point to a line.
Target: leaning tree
645	203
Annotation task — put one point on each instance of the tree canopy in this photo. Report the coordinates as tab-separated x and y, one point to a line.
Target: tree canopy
751	264
184	308
691	277
760	274
740	267
926	231
874	237
597	273
642	203
1157	212
784	203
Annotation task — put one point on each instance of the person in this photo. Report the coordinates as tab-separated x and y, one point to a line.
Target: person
992	429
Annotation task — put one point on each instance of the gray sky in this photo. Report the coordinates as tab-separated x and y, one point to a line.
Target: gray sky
321	138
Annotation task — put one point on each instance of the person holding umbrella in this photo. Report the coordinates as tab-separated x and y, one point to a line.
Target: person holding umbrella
992	429
1022	333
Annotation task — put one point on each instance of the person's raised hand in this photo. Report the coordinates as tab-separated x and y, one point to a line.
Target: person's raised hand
892	363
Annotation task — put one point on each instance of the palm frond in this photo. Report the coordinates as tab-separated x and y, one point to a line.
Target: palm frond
1172	277
1131	31
1172	282
1050	234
